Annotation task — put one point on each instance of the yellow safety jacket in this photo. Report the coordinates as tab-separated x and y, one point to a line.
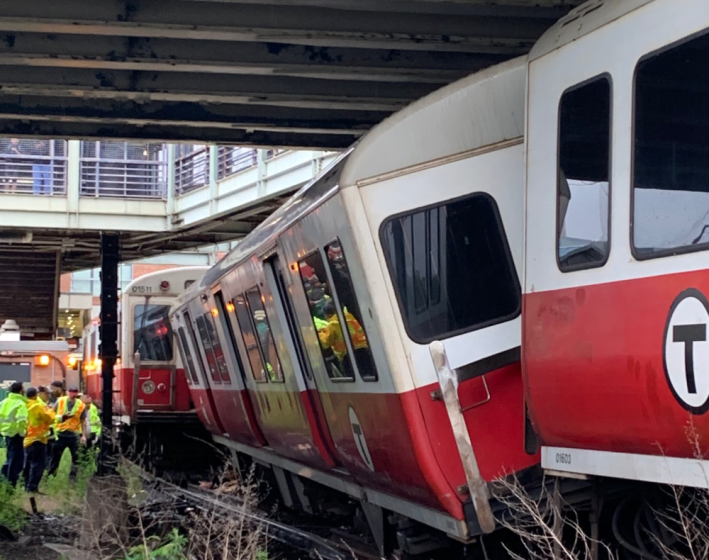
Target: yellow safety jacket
13	415
357	336
95	420
40	419
332	336
72	424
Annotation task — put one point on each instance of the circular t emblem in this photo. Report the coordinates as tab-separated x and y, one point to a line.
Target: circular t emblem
686	350
360	442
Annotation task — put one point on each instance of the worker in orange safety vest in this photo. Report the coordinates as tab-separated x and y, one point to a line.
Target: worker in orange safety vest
70	428
40	419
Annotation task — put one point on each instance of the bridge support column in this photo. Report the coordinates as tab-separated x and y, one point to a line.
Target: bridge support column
108	350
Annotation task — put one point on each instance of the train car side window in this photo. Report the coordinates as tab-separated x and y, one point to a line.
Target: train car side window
208	349
583	176
219	357
340	273
671	151
227	327
193	338
186	355
265	337
325	318
468	280
152	332
258	370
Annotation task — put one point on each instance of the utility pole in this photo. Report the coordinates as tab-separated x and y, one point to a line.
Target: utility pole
108	349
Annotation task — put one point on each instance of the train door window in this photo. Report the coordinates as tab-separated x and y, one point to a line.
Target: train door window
227	328
186	355
241	308
583	179
340	274
152	332
264	335
195	344
216	344
466	282
207	345
325	318
671	151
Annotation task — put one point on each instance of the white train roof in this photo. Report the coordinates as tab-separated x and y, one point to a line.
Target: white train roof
581	21
483	109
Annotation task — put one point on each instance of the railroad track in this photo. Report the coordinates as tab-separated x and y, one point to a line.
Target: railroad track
342	546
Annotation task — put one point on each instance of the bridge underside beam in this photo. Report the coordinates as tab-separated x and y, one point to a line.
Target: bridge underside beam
312	73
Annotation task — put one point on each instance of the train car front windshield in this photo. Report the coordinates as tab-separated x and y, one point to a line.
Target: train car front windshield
152	332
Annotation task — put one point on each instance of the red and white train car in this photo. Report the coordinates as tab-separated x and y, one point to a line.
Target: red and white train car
159	391
584	167
413	240
615	345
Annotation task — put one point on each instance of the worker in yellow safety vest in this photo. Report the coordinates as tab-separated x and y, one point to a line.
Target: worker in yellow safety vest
13	426
94	420
40	419
332	336
70	429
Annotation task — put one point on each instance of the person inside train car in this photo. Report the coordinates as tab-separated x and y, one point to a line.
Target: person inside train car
40	418
70	428
317	298
333	337
264	333
13	427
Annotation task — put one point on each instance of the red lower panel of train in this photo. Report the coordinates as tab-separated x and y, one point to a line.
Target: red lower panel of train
159	389
236	416
397	444
622	366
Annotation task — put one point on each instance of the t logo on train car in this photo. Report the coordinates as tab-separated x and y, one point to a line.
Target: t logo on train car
686	350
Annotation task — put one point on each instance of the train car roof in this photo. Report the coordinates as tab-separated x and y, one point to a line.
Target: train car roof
481	110
308	197
178	270
581	21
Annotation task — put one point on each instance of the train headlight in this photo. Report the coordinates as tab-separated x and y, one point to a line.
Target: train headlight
148	387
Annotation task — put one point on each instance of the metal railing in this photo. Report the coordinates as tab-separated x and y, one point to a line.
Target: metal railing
123	170
33	166
233	159
191	168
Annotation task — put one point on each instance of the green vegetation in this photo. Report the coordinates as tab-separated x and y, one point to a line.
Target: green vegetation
173	547
57	493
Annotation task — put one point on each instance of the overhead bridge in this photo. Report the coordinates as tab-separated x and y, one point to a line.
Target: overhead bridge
313	74
305	73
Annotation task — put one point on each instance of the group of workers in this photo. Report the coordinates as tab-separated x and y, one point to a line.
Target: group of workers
42	423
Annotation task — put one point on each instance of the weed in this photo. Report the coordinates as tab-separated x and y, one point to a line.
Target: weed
153	548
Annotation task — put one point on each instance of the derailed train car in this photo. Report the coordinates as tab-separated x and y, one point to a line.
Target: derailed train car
370	332
311	342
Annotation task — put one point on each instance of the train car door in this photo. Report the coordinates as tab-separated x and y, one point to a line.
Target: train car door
279	284
200	389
